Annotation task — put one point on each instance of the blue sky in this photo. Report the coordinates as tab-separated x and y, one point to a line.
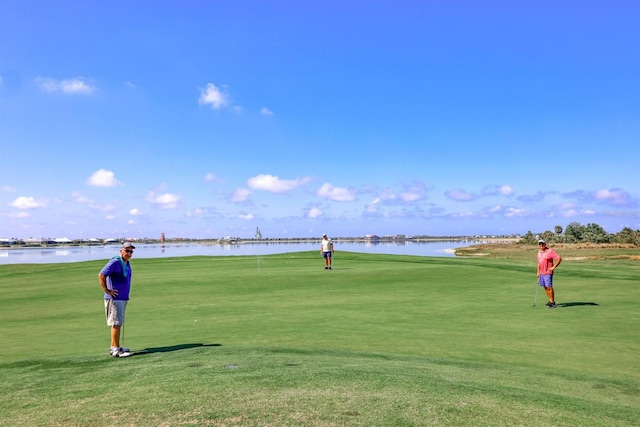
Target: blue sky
204	119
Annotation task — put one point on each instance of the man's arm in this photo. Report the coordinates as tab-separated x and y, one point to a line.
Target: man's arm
103	283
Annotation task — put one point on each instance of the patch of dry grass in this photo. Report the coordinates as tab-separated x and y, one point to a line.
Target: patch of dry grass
568	251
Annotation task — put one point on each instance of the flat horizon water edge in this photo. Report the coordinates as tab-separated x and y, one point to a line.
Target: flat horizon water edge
65	254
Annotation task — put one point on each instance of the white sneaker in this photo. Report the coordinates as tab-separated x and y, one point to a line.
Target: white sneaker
120	352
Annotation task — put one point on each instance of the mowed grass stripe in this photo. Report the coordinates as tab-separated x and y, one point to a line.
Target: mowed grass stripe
379	340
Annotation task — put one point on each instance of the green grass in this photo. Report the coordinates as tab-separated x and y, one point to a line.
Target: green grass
381	340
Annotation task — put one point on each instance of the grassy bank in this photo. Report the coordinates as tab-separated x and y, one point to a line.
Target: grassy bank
380	340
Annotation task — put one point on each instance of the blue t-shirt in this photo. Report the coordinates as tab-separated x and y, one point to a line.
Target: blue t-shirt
118	275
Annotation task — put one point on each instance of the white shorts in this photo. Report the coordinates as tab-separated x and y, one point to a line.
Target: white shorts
114	311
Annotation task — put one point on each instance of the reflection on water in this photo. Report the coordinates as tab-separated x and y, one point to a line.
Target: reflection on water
90	253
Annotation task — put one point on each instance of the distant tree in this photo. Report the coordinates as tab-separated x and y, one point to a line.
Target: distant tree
594	233
549	236
573	232
529	239
627	235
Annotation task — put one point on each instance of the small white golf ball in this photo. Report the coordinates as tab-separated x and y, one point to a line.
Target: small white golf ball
195	321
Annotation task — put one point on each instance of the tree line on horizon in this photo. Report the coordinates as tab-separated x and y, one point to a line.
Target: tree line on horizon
578	233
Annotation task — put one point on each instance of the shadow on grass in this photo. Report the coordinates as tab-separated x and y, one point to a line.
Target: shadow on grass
575	304
177	347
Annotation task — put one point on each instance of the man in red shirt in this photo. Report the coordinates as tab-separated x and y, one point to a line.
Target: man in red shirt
548	261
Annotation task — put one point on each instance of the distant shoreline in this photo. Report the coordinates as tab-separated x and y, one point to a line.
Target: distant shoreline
51	244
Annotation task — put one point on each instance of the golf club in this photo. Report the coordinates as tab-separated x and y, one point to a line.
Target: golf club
536	297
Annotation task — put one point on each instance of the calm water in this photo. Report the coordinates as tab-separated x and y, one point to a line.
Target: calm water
90	253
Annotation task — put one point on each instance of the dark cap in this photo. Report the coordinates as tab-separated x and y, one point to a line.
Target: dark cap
128	245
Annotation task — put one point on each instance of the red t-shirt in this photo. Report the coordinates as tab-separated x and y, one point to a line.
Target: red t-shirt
545	260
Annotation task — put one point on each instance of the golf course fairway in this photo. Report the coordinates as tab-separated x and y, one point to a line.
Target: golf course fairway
277	340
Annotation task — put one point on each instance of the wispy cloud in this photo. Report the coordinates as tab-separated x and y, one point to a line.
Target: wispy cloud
240	195
79	198
266	112
517	212
77	86
536	197
460	195
195	213
413	192
614	196
212	178
17	215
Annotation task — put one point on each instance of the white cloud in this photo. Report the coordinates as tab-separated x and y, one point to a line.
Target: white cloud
460	195
164	201
7	189
274	184
614	196
212	95
247	217
79	198
338	194
134	212
103	178
372	207
414	192
314	213
463	215
266	112
515	212
24	202
505	190
240	195
78	85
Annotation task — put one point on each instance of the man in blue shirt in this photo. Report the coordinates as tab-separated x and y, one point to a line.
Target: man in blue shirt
115	280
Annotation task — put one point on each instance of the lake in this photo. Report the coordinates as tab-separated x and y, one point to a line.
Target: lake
60	254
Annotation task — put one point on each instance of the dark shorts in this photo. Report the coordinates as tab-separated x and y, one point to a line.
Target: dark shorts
546	280
326	254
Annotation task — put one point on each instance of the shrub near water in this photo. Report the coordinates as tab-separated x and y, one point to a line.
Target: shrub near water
379	340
